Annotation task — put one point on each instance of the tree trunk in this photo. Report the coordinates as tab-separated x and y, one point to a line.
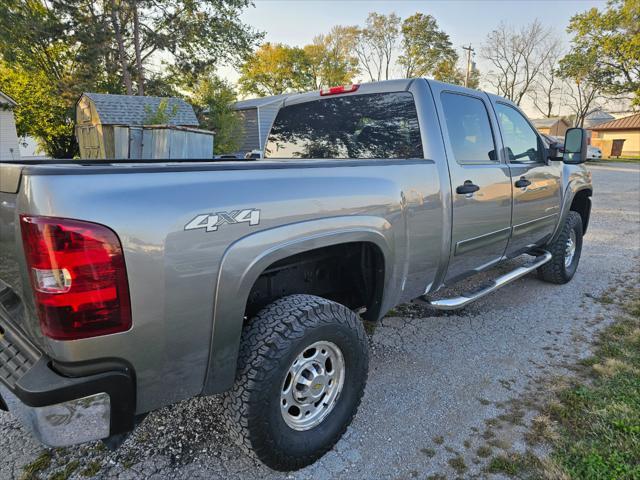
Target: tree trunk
136	43
122	55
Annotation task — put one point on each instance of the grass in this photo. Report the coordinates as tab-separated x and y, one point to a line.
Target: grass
91	469
31	470
621	160
429	452
484	451
457	463
597	418
514	464
66	472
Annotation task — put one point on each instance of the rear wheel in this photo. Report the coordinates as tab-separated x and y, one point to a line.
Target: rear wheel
302	369
566	250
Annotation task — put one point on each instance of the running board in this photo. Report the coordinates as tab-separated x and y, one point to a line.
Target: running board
465	299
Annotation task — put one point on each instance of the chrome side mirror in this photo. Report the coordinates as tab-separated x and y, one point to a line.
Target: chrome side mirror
575	146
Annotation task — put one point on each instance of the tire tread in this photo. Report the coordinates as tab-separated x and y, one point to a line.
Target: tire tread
265	340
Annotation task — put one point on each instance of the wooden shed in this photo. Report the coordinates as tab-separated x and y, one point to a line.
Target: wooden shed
556	126
117	127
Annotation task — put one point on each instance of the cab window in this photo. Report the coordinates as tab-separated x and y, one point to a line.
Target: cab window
521	143
468	128
369	126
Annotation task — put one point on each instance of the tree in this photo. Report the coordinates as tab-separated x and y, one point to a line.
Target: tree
276	68
547	87
56	49
212	99
129	36
610	41
41	70
583	82
375	44
331	57
41	111
517	58
161	115
426	48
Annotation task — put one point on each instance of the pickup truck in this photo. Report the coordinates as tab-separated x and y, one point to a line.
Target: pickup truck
128	286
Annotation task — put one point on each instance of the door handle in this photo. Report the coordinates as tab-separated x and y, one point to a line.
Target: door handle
467	188
522	183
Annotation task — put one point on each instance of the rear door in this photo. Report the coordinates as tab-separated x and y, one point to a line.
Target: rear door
536	183
480	182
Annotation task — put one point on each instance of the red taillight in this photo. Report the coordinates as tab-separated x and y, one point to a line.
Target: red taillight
78	277
340	89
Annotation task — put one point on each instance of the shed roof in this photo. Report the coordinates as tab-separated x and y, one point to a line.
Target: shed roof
133	109
547	122
631	122
6	99
259	102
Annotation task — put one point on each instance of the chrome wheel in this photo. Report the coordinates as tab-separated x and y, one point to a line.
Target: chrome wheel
570	249
312	385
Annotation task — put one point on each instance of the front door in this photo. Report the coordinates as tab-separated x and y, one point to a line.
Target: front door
481	184
537	187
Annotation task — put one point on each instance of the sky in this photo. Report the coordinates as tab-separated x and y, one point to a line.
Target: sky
296	22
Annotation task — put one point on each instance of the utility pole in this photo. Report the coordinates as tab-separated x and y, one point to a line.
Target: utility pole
468	75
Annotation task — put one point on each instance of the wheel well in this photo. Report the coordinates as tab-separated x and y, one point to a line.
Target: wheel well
350	273
582	204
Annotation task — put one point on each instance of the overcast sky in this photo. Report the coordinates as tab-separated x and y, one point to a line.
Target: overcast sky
296	22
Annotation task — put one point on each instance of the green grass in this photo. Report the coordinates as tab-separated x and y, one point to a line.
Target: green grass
66	472
598	418
91	469
621	160
31	470
515	464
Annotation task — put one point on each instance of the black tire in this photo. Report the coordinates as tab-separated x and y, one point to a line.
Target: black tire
555	271
271	341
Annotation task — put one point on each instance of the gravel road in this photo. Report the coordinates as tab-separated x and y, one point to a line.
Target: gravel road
437	381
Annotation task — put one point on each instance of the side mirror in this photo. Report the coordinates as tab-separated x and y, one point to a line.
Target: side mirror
575	146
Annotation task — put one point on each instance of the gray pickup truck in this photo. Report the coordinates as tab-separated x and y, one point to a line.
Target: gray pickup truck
130	286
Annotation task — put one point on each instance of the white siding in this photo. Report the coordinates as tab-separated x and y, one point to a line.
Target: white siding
8	137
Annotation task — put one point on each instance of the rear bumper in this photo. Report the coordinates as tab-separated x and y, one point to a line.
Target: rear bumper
64	404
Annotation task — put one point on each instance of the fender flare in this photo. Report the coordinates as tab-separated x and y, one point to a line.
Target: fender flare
244	261
571	191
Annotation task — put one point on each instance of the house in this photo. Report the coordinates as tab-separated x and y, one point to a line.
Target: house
30	149
258	115
618	138
117	127
596	118
9	147
555	126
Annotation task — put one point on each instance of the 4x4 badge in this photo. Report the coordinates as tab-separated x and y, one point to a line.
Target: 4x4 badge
211	222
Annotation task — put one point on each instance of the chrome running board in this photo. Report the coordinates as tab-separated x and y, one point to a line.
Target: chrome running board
465	299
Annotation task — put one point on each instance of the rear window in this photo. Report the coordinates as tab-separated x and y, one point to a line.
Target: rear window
379	125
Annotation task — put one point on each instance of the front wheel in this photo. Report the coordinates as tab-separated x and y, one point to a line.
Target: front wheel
566	250
302	370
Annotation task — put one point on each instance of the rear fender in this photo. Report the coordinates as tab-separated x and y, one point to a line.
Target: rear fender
246	259
576	182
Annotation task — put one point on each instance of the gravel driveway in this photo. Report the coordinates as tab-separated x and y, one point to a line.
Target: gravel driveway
436	379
